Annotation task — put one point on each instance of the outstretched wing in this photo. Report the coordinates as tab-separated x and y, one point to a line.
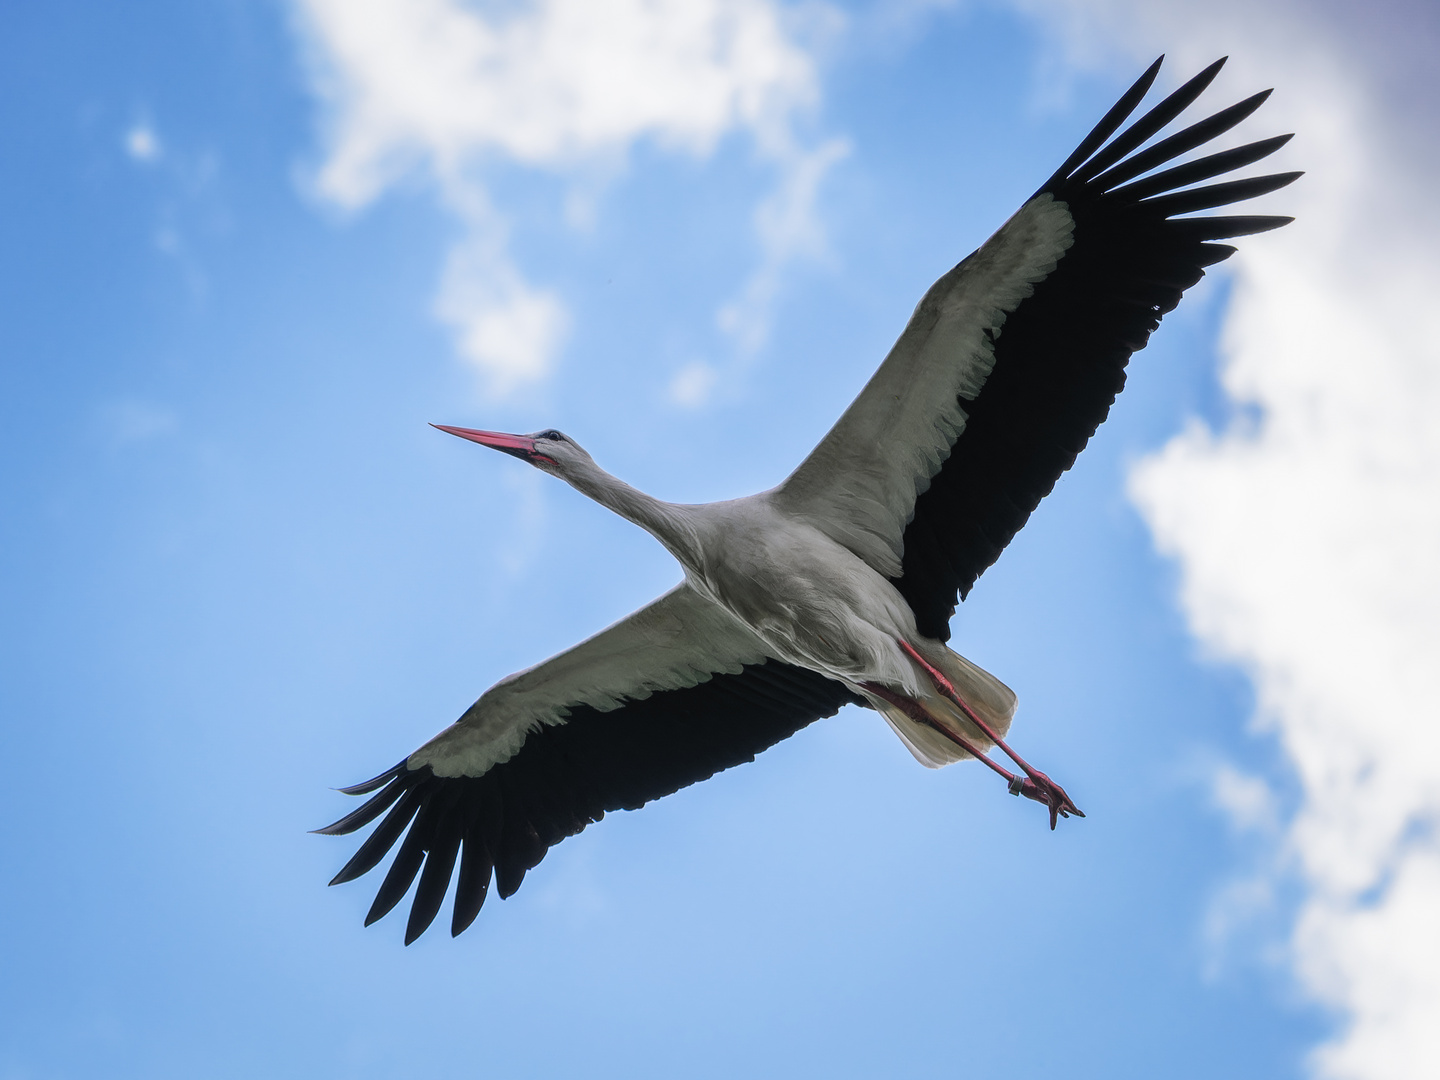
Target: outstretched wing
1013	358
667	697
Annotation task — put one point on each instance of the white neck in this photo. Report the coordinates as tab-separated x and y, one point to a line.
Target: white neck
670	523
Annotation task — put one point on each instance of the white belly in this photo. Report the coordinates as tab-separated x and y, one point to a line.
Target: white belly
813	602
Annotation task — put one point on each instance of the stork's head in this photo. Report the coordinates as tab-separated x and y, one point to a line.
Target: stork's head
549	450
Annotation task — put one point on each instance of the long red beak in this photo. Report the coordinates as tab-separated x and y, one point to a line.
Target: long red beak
521	446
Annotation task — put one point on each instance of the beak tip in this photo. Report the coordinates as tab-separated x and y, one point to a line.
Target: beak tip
522	446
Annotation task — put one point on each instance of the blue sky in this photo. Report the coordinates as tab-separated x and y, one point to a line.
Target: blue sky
240	569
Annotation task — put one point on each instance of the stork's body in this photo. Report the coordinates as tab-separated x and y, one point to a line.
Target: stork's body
837	586
812	601
816	604
772	584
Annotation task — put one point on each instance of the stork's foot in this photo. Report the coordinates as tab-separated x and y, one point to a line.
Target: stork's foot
1033	785
1042	789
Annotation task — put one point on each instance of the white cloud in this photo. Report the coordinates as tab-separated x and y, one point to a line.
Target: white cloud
438	87
505	327
1377	961
142	144
1246	800
1307	540
692	384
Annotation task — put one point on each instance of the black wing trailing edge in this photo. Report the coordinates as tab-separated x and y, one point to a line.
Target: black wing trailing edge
564	777
1060	356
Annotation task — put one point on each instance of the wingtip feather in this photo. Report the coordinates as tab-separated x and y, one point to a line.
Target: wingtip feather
1171	106
1109	123
364	814
381	840
376	782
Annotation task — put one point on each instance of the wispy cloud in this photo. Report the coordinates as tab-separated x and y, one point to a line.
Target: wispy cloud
1306	542
128	421
1247	801
141	143
187	185
788	229
438	87
692	384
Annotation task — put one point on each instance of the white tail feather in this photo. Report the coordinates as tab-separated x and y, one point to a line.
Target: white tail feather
992	700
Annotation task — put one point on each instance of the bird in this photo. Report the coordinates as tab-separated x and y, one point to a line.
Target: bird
838	586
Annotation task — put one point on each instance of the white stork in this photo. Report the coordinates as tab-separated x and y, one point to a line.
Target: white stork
837	587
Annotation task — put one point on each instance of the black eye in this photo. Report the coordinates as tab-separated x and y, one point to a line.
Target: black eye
551	434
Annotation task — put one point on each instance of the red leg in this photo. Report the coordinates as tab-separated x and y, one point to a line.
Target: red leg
1019	785
1037	785
915	711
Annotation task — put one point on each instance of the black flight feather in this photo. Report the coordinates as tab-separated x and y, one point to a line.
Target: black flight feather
568	775
1109	123
1061	353
1150	123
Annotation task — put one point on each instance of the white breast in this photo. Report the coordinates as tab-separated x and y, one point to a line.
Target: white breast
813	601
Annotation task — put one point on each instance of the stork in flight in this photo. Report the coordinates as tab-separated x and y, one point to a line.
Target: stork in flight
838	586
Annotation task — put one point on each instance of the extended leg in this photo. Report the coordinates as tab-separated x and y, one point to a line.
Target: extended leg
1043	791
915	711
1036	785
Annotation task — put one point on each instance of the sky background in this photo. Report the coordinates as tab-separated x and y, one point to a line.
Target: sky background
252	248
